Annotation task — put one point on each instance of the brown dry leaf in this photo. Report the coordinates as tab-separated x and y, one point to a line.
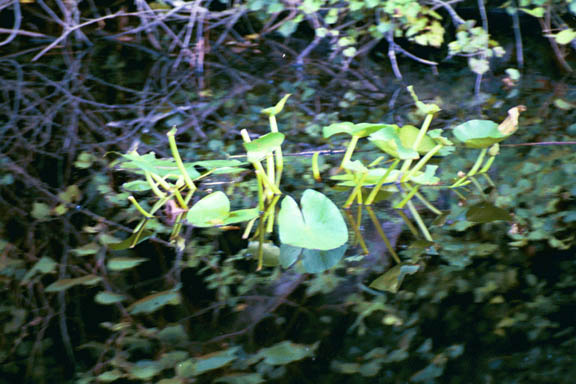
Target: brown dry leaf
510	124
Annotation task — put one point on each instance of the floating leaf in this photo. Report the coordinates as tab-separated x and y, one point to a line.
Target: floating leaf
389	140
392	279
154	302
211	210
241	215
486	212
123	263
64	284
214	210
264	145
288	255
286	352
107	298
319	225
317	261
479	133
358	130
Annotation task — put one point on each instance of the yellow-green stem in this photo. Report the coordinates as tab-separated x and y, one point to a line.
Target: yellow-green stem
419	221
488	164
315	167
407	197
356	189
178	159
153	185
248	229
381	182
349	150
139	207
478	162
420	164
427	204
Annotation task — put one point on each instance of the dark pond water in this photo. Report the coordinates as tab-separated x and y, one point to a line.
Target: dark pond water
491	300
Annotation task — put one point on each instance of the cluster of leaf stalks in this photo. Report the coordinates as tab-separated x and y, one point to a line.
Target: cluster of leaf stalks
408	148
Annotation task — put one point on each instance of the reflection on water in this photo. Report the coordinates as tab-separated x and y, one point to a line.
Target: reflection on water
494	292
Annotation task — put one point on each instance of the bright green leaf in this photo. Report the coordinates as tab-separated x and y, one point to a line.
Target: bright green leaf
319	225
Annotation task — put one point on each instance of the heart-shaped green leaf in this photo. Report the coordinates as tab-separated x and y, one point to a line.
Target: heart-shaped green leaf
210	211
479	133
214	210
319	225
317	261
388	140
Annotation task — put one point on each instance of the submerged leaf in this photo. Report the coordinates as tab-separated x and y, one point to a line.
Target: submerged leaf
486	212
392	279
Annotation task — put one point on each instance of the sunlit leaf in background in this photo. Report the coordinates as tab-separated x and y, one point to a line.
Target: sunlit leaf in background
64	284
286	352
123	263
154	302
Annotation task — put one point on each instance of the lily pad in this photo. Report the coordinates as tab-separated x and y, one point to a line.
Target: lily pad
263	146
358	130
319	225
479	133
316	261
214	209
286	352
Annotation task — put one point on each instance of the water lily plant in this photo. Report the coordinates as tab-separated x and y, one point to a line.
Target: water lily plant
485	135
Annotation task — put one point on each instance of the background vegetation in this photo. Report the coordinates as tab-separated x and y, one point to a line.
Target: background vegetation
82	81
